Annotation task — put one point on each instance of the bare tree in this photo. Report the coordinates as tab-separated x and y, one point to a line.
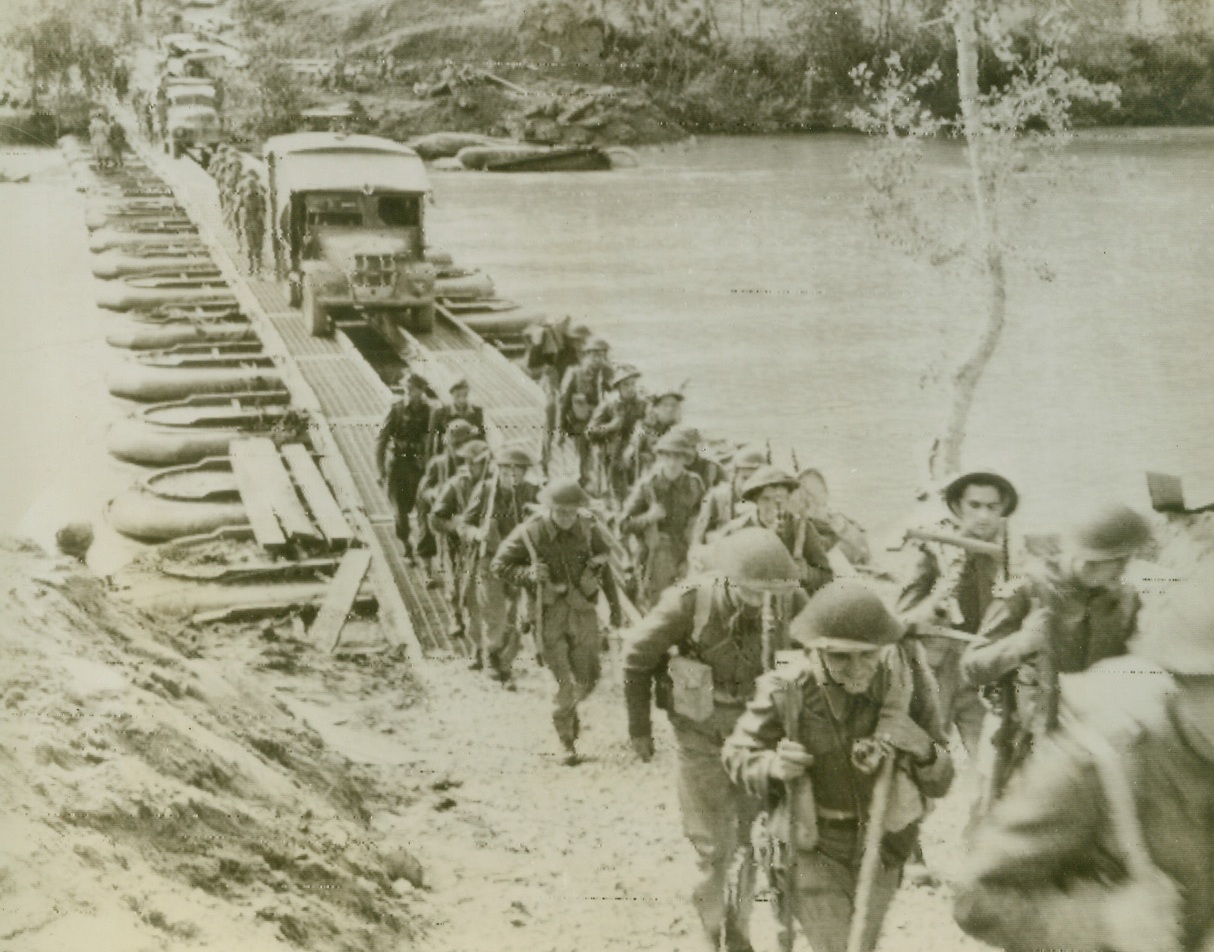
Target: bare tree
1015	125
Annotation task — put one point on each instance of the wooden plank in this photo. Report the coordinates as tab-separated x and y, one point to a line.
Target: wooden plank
276	483
326	629
320	501
257	503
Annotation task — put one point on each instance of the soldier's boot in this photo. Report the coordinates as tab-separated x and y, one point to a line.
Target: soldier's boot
478	661
433	580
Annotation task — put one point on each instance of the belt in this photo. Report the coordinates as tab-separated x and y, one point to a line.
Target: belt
836	818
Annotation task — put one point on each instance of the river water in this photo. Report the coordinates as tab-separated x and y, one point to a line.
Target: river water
746	267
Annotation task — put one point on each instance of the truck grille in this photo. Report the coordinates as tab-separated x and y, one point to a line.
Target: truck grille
374	271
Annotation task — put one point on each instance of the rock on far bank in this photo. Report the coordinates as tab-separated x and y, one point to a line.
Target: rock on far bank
153	799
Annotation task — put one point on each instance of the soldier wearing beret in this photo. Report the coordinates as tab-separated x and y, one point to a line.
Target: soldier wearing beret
460	408
400	453
1068	613
563	554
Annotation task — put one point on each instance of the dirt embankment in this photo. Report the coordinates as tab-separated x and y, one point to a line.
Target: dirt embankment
166	786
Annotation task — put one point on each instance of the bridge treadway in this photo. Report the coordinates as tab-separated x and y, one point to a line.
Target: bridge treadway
354	400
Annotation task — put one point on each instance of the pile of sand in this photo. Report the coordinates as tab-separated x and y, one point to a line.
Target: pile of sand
156	799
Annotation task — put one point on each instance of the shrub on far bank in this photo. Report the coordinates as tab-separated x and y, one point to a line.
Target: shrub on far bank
1165	80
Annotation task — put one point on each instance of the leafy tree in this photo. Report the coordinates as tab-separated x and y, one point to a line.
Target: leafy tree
1010	128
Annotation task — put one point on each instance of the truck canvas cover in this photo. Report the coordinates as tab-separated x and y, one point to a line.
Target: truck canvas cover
306	162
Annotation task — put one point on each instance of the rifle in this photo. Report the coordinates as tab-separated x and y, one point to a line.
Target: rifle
537	625
487	521
975	546
874	832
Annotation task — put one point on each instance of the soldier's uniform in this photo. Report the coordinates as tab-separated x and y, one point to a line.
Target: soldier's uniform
711	472
443	417
666	541
611	427
251	220
1133	758
723	503
642	448
709	625
493	512
581	393
438	470
400	452
450	503
834	725
576	562
958	586
1052	624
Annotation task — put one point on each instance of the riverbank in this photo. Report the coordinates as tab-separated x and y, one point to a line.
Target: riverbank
567	73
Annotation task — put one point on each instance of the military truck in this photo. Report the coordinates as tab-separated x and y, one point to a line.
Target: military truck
186	107
348	231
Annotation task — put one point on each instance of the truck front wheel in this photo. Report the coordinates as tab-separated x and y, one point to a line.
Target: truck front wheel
423	318
315	314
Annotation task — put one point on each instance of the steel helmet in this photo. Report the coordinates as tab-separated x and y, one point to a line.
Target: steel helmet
750	457
473	451
624	372
953	492
1107	531
459	431
564	492
753	558
514	455
845	615
675	444
766	476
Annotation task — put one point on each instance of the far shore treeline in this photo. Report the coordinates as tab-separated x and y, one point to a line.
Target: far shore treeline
664	69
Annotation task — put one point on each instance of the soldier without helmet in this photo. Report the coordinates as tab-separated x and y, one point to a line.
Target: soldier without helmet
400	453
562	553
715	622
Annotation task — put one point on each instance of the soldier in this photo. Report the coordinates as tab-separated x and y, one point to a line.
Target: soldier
812	499
1105	839
564	555
715	621
768	490
1065	616
227	183
723	502
951	587
400	453
611	427
581	392
660	511
498	505
439	469
665	411
460	408
450	502
251	219
711	472
858	698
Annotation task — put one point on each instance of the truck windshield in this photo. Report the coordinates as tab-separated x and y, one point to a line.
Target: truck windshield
399	211
338	209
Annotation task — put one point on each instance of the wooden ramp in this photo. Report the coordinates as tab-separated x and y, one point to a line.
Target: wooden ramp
275	510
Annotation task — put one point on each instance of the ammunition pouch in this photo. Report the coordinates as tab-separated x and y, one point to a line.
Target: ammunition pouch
692	694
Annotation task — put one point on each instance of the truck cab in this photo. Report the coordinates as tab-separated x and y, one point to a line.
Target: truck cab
189	117
348	236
